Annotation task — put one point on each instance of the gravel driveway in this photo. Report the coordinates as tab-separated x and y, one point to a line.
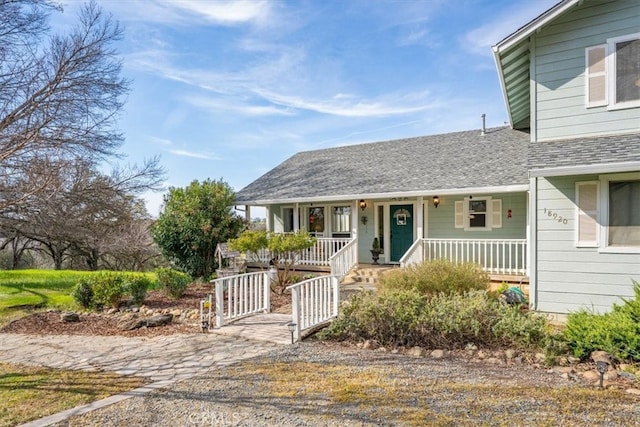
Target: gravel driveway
314	384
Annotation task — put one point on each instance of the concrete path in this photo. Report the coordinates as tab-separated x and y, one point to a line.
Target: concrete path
163	359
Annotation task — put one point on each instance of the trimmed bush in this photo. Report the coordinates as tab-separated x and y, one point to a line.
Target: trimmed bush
108	289
82	293
407	317
172	282
137	287
433	277
616	332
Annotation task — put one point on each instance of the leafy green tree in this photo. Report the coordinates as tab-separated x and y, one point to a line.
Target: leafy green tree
284	250
194	220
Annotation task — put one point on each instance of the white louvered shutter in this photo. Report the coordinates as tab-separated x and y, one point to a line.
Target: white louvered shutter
596	76
459	214
496	213
587	213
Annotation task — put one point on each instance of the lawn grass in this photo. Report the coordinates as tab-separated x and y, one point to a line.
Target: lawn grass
25	291
28	393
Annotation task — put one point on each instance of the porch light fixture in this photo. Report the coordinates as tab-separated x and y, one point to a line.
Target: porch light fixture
436	201
363	204
292	328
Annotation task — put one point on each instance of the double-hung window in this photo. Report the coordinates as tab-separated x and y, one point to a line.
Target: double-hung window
608	213
341	221
478	213
612	76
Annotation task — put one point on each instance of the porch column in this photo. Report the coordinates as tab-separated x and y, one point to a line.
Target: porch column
420	218
296	217
268	219
247	213
355	219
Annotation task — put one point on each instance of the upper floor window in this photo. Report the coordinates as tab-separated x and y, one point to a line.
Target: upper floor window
613	73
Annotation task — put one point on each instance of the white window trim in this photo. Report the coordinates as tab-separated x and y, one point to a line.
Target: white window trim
610	67
488	215
604	213
595	244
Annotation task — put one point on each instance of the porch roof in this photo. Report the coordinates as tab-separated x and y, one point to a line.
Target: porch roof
411	166
617	153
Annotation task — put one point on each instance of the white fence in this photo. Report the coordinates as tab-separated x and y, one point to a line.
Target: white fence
496	256
241	295
315	301
345	259
317	255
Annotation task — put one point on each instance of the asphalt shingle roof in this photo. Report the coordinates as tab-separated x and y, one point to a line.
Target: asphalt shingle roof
438	162
584	151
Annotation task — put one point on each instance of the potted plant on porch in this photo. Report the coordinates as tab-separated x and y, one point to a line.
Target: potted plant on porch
375	250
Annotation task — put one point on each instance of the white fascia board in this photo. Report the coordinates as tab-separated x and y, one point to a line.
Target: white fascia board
585	169
525	31
348	197
496	57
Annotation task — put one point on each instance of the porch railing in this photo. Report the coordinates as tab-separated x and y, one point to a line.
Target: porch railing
345	259
315	301
317	255
241	295
496	256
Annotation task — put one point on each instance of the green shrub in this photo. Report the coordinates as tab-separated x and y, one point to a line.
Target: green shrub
407	317
136	286
433	277
172	282
82	293
108	288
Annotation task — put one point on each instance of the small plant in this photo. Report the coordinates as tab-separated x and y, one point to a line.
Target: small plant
108	289
433	277
172	282
375	250
82	293
616	332
136	287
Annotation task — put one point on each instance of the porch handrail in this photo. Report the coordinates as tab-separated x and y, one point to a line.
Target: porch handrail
345	259
246	294
496	256
315	301
317	255
414	254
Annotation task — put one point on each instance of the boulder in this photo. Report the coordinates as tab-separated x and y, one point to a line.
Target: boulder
69	317
416	351
439	354
159	320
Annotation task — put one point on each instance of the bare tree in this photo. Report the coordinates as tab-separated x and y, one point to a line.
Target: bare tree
58	100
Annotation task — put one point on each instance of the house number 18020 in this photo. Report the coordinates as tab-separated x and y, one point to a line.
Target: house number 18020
555	216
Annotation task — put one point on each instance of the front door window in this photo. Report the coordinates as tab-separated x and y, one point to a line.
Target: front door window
316	221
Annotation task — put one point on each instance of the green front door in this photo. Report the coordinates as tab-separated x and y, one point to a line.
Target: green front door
401	230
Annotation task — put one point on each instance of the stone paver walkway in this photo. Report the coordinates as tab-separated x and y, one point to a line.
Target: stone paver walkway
163	359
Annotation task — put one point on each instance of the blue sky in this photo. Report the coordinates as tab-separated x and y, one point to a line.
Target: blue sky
231	89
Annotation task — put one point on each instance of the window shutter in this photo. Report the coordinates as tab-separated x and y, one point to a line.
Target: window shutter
459	214
496	213
587	216
596	78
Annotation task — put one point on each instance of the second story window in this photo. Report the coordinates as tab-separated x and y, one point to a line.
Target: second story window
613	73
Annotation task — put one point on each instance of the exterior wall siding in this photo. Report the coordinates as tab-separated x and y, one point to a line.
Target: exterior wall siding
570	278
560	110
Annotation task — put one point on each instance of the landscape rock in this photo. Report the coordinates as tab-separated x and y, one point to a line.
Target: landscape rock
494	361
162	319
369	345
591	375
509	354
69	317
601	356
112	311
482	354
439	354
634	391
416	351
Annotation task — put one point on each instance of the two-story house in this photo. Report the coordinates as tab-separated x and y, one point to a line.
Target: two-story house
555	197
572	77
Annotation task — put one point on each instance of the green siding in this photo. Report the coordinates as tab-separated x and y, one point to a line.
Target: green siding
569	278
559	71
441	220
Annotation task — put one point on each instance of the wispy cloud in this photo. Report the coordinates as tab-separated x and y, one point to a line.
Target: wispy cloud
480	40
226	105
194	154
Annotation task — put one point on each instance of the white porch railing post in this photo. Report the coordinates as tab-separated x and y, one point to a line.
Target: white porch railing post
296	317
266	289
335	283
219	304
